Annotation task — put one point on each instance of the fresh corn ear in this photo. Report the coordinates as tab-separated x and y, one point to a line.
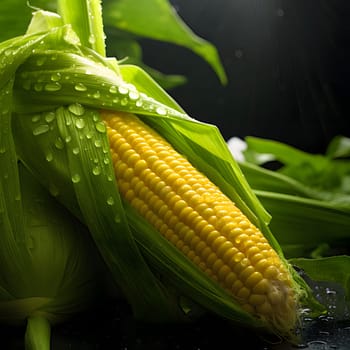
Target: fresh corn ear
195	216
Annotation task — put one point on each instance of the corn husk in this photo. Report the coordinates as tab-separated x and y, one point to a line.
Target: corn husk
59	88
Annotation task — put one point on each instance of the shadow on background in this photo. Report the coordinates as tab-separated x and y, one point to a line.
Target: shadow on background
287	63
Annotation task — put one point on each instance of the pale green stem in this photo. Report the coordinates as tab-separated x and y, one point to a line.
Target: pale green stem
38	333
85	16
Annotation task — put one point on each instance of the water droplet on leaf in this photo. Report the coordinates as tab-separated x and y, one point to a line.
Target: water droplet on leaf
100	127
80	87
76	109
80	123
96	170
41	129
76	178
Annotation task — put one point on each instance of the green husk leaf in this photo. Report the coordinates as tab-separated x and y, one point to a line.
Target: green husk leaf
51	272
149	18
305	222
88	28
106	210
13	23
74	156
65	145
319	176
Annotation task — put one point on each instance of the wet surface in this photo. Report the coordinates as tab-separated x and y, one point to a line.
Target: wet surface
112	326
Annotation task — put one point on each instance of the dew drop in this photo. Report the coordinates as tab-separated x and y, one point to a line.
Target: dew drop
75	178
96	95
55	86
89	135
113	89
59	143
56	76
110	201
36	118
38	87
41	129
117	218
123	90
2	150
49	157
134	95
106	160
161	111
92	39
96	170
139	103
76	108
75	150
49	117
80	123
100	127
53	189
98	143
80	87
68	139
124	101
40	61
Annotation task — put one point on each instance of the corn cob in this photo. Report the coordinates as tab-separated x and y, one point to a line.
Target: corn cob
194	214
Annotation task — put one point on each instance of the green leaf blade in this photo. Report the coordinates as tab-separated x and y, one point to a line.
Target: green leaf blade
149	18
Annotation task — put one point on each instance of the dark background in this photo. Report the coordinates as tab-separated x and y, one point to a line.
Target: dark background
287	63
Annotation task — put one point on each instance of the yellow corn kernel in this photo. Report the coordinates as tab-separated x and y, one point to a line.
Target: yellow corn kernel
193	213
